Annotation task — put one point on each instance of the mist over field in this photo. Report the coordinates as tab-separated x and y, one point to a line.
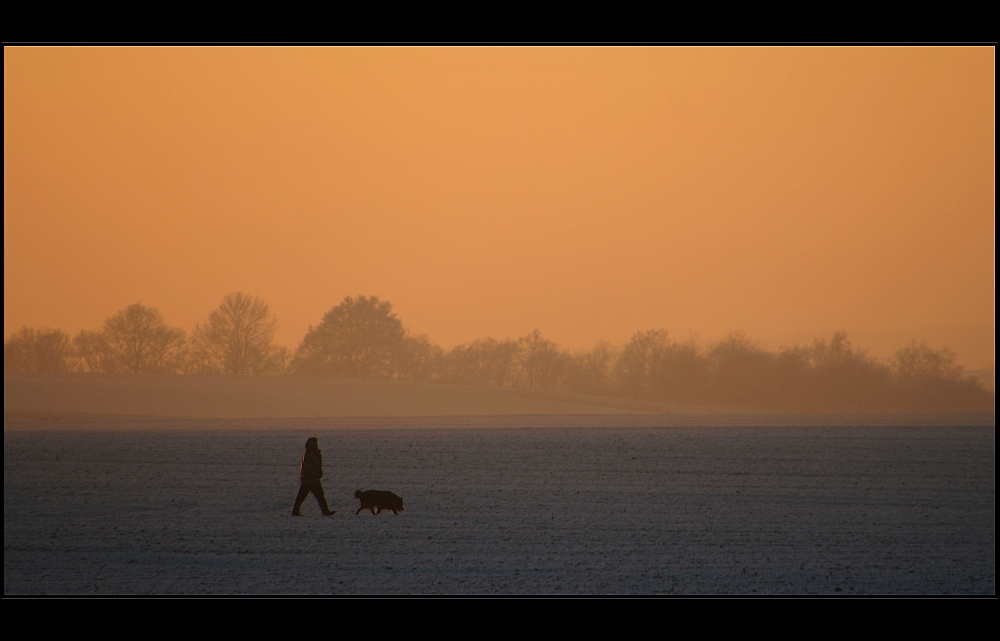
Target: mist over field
362	339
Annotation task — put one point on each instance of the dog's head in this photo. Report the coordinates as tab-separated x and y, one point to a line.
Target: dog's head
357	494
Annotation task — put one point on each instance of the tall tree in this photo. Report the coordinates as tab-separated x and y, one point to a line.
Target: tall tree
359	338
139	342
237	339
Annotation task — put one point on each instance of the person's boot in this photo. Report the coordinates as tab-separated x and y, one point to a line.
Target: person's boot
321	499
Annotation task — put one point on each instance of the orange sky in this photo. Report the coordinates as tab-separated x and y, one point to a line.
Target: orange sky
588	192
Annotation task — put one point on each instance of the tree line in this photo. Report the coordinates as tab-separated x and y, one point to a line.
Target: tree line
362	338
237	338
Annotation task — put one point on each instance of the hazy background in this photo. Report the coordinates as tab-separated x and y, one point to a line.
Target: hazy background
588	192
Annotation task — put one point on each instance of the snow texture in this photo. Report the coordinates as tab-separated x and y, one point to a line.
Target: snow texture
554	511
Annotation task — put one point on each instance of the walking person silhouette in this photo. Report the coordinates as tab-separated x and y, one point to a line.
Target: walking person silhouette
310	472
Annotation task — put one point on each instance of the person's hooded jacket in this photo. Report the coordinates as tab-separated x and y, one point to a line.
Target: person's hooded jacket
311	469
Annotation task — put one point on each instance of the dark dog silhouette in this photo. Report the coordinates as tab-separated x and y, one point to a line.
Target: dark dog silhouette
378	500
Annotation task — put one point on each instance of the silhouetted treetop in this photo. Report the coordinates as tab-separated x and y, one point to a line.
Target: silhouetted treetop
136	340
359	338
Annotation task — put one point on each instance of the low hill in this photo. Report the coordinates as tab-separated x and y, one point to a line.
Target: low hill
93	399
172	396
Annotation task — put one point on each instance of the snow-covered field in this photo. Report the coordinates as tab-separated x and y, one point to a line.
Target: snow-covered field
156	508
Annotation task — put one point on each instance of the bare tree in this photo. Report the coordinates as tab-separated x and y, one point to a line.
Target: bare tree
38	350
485	361
542	364
94	352
139	342
419	359
237	339
590	372
640	361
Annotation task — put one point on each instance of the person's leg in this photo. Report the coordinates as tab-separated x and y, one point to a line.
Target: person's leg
317	491
303	493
